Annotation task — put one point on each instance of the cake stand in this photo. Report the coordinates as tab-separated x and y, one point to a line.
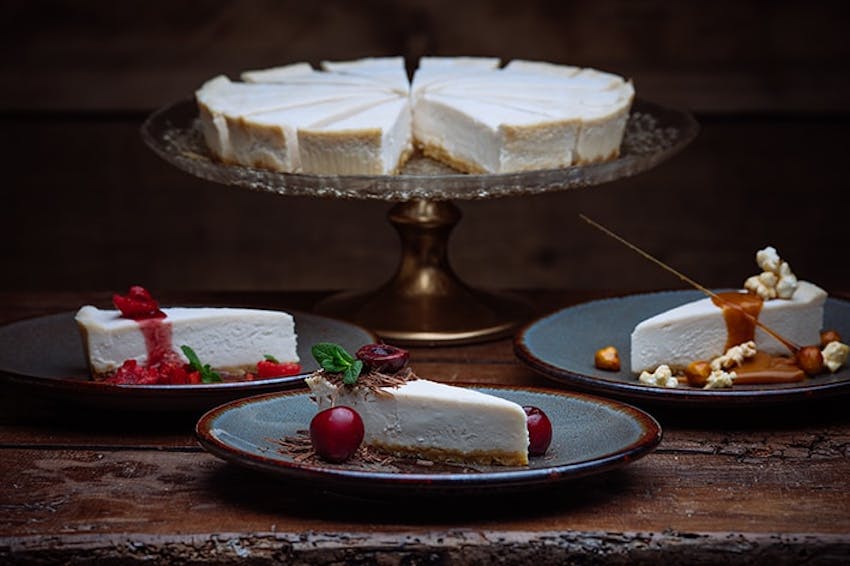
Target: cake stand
425	302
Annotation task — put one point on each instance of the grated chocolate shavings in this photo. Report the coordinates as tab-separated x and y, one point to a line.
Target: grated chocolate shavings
374	380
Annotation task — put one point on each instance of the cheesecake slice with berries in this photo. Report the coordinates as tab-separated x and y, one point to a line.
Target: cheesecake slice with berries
410	417
139	343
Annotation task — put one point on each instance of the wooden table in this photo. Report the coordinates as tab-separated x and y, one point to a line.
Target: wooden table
768	485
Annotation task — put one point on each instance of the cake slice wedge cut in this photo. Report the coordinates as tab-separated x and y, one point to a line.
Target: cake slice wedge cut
229	340
486	137
376	140
698	330
434	421
270	139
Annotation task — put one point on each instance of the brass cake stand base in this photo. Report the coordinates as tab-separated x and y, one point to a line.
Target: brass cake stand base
425	302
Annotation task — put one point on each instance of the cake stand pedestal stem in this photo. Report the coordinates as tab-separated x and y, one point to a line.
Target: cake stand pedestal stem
425	302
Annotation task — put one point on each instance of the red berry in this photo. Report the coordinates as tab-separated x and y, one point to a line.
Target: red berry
137	304
268	368
336	433
539	430
383	357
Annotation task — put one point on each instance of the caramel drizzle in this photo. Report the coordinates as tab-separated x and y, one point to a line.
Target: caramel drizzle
794	348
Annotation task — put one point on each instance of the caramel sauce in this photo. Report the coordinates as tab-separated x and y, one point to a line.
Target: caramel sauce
740	311
765	368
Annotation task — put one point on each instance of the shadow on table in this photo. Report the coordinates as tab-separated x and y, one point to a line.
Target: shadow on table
266	494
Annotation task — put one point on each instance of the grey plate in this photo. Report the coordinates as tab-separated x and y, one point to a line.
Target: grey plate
46	354
561	346
590	435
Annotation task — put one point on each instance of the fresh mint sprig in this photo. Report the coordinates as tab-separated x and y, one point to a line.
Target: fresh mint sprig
334	359
207	374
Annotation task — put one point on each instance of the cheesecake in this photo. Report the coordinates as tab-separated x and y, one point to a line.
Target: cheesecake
771	317
365	116
523	104
698	330
375	140
433	421
231	341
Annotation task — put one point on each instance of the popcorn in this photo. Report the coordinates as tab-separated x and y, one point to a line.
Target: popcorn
835	355
776	279
734	356
661	377
720	379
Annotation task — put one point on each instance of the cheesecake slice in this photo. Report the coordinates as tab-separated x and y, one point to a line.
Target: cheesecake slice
271	139
485	137
698	330
229	340
373	141
434	421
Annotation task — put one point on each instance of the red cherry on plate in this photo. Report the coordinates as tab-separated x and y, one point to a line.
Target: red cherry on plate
336	433
539	430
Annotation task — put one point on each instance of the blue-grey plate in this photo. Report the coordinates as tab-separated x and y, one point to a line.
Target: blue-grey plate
46	354
590	435
561	346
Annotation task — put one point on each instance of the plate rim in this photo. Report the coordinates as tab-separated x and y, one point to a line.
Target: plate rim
650	437
658	395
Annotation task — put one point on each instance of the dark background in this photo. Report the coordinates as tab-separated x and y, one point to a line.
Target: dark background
87	206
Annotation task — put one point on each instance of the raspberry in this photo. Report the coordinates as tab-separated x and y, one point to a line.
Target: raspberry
137	304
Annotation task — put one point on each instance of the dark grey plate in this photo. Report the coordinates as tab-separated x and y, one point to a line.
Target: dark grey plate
590	435
46	354
561	346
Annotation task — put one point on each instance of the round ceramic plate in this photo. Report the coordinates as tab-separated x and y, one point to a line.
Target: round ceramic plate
590	435
46	354
561	346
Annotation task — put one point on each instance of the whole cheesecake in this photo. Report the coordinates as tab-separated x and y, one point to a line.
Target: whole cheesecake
365	116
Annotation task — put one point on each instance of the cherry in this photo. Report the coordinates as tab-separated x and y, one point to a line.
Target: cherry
539	430
336	433
383	357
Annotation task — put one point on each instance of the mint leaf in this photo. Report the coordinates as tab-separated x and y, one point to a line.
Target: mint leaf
271	358
352	373
207	374
334	359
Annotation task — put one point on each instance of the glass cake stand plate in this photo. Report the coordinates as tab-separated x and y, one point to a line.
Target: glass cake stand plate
425	302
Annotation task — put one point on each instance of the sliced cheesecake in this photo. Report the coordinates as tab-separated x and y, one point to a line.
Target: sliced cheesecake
433	421
699	331
467	112
230	340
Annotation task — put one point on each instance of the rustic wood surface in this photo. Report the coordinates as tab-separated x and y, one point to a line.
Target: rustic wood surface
749	485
